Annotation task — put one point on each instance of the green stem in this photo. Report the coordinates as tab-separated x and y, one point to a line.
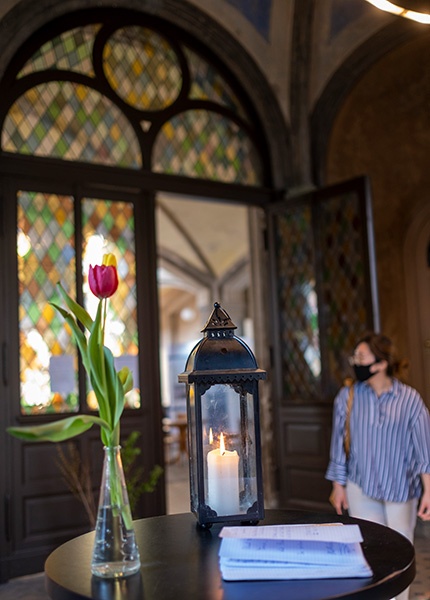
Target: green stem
102	343
115	435
102	356
104	316
119	507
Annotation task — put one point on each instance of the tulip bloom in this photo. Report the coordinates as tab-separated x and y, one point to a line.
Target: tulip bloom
103	279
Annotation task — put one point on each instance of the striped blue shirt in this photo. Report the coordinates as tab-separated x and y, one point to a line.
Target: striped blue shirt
390	442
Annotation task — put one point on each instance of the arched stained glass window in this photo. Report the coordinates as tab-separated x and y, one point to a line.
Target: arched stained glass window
73	122
134	96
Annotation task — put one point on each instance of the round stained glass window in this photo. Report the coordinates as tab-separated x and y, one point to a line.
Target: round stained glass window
142	68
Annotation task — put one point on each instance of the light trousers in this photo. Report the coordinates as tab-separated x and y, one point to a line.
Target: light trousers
400	516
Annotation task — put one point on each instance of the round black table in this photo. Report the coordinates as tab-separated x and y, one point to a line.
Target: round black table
180	561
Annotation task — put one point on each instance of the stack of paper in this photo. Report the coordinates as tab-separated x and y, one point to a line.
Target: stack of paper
292	552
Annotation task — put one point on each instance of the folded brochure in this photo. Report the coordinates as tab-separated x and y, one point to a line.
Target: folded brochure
292	552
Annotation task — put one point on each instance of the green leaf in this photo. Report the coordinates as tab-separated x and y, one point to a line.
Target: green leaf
104	408
58	431
114	386
79	312
126	378
78	335
97	362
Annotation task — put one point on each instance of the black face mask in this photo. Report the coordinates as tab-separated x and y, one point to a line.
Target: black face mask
362	372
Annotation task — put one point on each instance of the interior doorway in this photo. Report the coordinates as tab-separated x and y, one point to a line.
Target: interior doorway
203	257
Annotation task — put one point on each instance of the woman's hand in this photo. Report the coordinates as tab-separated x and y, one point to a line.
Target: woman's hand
338	498
424	507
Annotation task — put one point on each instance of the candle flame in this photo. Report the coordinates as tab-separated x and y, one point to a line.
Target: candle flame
211	436
221	444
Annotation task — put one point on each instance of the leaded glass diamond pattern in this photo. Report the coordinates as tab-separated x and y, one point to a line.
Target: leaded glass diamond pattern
208	84
343	281
109	227
70	51
46	255
72	122
301	363
200	143
142	68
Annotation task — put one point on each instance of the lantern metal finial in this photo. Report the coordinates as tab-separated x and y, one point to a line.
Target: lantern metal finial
219	319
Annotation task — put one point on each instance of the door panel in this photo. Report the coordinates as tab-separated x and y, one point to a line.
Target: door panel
57	229
323	275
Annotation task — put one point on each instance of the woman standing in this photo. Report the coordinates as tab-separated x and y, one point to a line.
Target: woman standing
382	471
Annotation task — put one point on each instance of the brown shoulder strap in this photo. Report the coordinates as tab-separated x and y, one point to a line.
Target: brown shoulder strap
347	438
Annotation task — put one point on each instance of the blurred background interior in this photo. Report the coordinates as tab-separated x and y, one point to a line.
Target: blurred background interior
269	155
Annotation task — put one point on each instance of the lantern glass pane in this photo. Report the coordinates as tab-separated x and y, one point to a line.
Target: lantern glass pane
191	417
229	449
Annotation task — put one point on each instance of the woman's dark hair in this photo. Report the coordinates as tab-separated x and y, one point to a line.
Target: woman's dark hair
383	348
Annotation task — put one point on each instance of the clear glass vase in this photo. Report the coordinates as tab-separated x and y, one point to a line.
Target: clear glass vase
115	552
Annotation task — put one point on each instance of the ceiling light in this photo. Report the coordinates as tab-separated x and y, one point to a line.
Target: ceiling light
417	10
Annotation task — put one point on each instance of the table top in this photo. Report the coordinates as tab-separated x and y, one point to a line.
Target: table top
180	560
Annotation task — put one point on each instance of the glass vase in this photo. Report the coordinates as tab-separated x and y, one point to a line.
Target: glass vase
115	552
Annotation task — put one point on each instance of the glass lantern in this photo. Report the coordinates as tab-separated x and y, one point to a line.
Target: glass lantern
224	446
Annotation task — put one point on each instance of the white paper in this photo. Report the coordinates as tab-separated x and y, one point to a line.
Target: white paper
335	532
292	552
270	572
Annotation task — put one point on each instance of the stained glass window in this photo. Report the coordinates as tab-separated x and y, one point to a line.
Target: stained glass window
208	145
344	282
70	121
113	96
46	255
135	96
108	227
208	84
300	346
70	51
142	68
323	289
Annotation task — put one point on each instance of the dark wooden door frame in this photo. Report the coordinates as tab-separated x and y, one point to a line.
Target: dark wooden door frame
81	180
20	550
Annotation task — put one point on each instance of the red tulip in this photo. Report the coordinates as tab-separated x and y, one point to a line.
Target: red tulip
103	279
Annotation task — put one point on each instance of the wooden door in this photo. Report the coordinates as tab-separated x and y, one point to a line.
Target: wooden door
49	232
324	296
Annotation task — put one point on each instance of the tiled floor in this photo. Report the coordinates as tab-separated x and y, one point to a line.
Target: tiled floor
32	587
420	589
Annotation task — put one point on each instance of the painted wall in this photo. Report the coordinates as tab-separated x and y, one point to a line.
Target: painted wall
383	130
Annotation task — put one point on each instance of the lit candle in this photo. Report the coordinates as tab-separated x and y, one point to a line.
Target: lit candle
223	480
